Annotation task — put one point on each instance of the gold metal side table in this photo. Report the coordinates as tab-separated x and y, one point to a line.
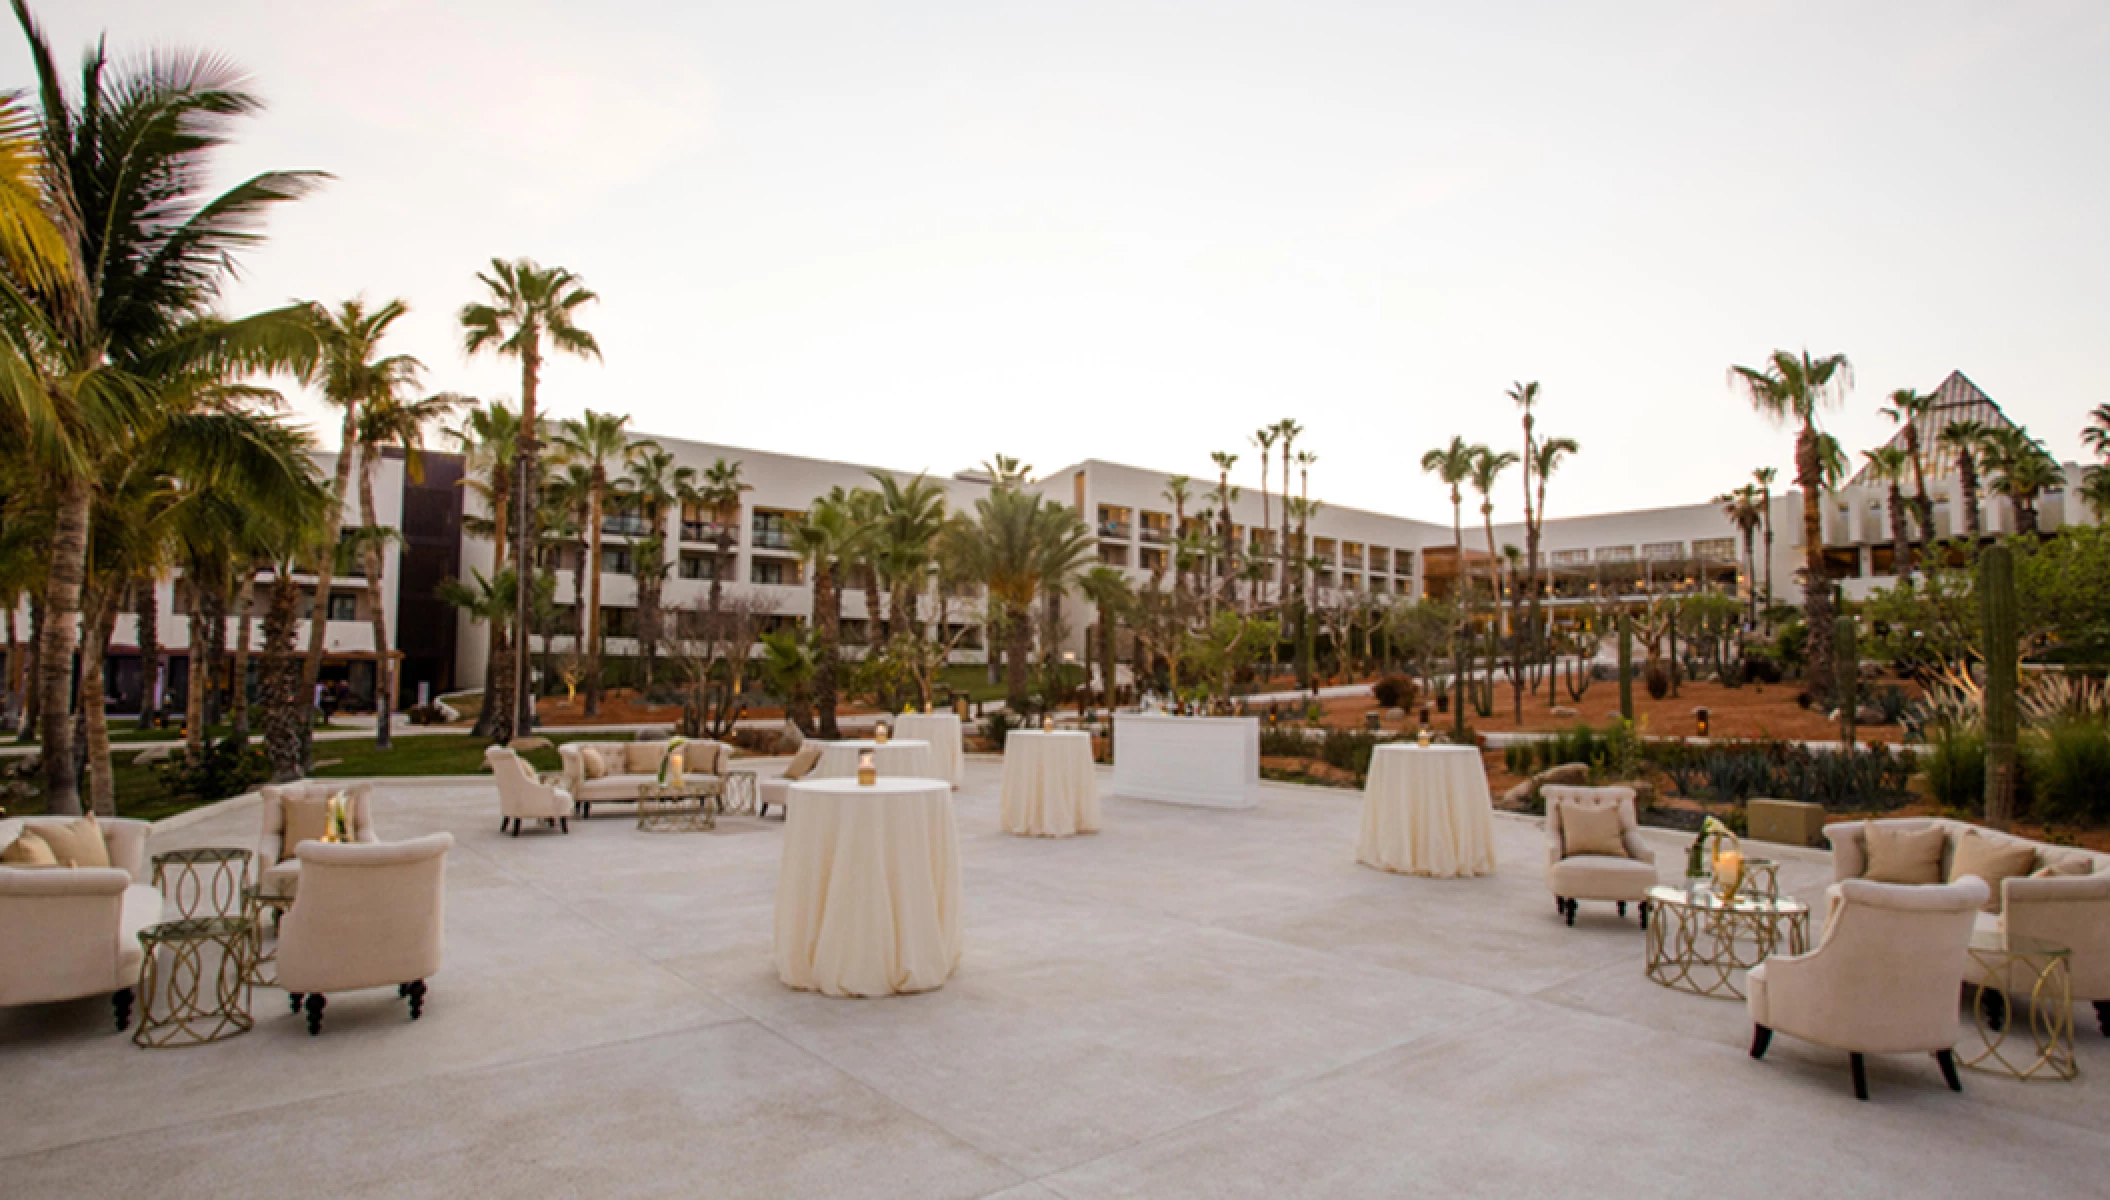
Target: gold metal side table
1696	940
2007	969
205	881
202	994
684	807
742	793
263	965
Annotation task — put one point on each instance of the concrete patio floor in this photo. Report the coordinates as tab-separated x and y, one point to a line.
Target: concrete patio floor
1191	1003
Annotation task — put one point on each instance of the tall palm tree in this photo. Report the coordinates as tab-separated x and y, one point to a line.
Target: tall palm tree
1547	456
487	439
2021	470
1793	389
818	537
1453	464
352	373
654	484
1287	431
1107	588
390	422
1022	547
1890	465
1763	477
1264	438
488	601
1965	440
1909	408
125	158
1488	466
1225	494
1178	490
719	490
527	305
1306	637
909	516
600	442
1526	396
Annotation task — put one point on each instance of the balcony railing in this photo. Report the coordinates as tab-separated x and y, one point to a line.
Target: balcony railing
1156	534
626	525
706	531
1114	529
773	539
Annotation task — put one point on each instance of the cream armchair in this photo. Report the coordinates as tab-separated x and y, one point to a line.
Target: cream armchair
523	796
69	932
1577	876
368	915
1884	979
278	868
2066	898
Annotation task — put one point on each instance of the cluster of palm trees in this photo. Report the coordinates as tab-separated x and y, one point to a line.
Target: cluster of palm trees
1794	388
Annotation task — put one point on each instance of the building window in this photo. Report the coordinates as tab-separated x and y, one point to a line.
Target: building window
1615	554
698	566
1571	558
1114	556
1663	551
781	572
1157	527
1153	559
1402	562
344	606
1715	549
615	560
618	622
1113	522
773	529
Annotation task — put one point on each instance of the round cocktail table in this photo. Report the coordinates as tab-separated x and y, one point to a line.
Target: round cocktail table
1696	940
202	994
203	880
2004	965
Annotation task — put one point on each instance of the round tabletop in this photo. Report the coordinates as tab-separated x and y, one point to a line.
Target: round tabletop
1432	748
195	929
883	786
1047	733
200	854
876	744
1708	900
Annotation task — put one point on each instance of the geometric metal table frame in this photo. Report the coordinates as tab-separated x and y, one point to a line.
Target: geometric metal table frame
1696	943
204	880
255	901
679	808
201	993
2018	967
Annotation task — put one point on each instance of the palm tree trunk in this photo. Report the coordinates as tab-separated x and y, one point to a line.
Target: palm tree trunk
285	717
1816	584
326	569
32	680
149	622
13	689
1018	633
102	786
245	603
194	715
57	642
1922	507
1106	657
592	617
376	564
1967	479
498	673
524	465
827	621
1900	541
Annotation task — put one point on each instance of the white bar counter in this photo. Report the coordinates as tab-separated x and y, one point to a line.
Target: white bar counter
1212	762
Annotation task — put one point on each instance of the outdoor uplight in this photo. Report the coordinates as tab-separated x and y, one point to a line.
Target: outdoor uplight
1700	719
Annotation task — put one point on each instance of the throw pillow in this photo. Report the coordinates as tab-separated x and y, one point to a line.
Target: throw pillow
703	758
77	843
307	820
28	850
1592	829
1897	855
802	763
643	757
591	759
1991	859
2051	866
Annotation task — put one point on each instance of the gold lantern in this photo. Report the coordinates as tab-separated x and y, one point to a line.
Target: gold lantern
867	774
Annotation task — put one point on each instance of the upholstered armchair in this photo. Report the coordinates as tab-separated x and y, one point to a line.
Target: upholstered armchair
69	932
306	807
1884	979
523	796
1594	849
777	788
367	915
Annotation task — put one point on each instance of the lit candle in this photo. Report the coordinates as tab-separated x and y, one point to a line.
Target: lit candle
867	774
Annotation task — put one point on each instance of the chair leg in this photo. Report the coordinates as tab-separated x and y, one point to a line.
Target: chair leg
121	1004
1947	1059
1644	914
1995	1002
564	824
516	826
415	989
315	1003
1572	906
1622	908
502	823
1860	1076
2102	1016
1761	1037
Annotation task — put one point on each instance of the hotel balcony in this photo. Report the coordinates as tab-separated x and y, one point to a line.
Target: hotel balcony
1117	530
707	531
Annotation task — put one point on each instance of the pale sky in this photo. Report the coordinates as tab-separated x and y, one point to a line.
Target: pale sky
916	235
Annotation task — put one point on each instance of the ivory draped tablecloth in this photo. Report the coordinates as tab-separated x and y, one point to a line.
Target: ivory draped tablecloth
1050	789
899	758
942	731
868	896
1426	811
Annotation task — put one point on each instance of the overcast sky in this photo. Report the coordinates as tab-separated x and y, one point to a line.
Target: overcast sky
919	234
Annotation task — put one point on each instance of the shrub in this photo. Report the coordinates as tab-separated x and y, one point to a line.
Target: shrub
1395	691
998	726
426	714
1658	682
1517	758
1284	742
1348	749
228	767
1891	702
1956	768
1761	669
2069	769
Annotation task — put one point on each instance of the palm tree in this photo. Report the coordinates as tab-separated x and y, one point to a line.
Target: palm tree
525	306
1287	431
1005	471
1965	440
1020	547
1107	588
1525	396
487	440
1547	457
1908	408
1890	465
1488	466
2095	485
1746	511
1763	477
1453	464
390	422
2022	470
1792	388
718	493
1179	490
654	484
146	250
1225	494
818	538
909	516
1264	437
1305	510
488	601
599	442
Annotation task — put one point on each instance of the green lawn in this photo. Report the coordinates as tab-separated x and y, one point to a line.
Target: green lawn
973	679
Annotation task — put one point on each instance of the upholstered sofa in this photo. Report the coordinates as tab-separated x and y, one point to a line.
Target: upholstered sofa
1883	979
1580	872
278	867
368	915
68	932
611	772
523	796
776	789
2064	898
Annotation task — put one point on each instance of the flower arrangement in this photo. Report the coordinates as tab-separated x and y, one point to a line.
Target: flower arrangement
670	767
337	825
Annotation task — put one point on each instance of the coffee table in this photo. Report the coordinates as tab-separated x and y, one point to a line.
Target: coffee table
2007	964
684	807
202	994
1696	940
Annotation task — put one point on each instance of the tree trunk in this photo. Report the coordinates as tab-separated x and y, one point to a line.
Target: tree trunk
1900	541
1018	634
95	717
376	565
827	621
32	680
59	639
1107	630
194	714
238	689
524	455
592	617
1967	482
1816	584
326	569
148	613
285	717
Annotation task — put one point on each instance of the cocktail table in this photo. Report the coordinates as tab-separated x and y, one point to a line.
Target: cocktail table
202	994
2007	964
1697	940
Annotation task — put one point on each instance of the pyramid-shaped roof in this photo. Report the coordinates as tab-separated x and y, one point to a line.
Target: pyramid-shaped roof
1957	399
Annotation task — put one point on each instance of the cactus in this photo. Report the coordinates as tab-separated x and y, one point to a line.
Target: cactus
1626	666
1846	677
1996	600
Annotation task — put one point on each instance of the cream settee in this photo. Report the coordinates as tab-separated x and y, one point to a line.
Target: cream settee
611	772
278	867
69	932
